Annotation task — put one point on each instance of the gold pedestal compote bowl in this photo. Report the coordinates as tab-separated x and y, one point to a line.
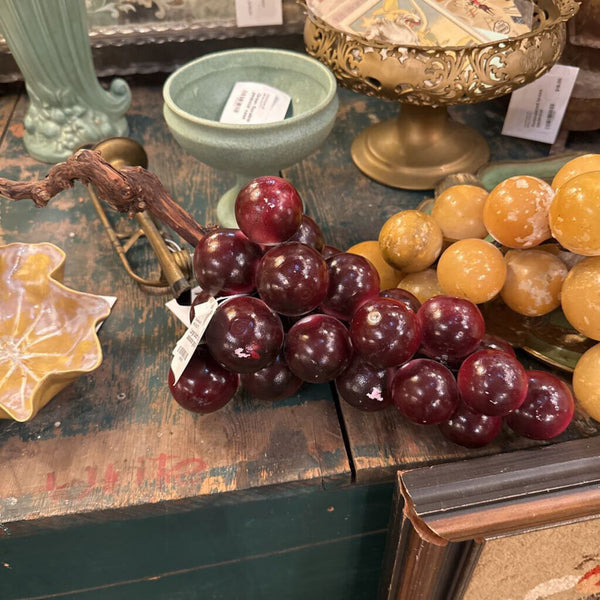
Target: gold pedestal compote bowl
423	145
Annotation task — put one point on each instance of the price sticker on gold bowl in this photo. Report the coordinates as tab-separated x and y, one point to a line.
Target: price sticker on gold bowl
536	111
187	344
252	103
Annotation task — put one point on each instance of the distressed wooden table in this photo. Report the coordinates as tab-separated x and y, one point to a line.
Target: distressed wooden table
113	491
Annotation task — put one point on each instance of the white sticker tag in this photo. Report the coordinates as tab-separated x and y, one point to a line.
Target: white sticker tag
536	111
249	13
111	302
189	341
181	311
255	103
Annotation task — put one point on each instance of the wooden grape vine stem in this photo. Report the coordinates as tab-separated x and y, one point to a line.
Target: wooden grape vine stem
127	190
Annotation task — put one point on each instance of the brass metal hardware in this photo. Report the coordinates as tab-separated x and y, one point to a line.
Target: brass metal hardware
175	263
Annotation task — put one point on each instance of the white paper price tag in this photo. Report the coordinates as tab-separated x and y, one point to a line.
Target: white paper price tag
536	111
255	103
188	343
250	13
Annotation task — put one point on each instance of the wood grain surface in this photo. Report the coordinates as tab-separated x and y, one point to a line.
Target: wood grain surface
115	439
352	208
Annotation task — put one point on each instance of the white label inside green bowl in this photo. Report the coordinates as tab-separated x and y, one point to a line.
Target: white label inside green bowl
252	103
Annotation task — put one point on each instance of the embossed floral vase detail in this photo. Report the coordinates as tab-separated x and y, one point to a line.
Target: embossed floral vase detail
47	331
68	106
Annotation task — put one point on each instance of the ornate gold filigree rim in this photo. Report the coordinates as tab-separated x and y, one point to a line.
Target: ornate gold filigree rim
565	8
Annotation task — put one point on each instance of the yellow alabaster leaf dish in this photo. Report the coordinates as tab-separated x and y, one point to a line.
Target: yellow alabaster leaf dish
47	331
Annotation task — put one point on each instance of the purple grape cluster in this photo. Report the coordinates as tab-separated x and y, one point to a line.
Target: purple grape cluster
309	312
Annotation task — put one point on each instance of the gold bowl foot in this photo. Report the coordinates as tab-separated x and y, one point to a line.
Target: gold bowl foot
418	148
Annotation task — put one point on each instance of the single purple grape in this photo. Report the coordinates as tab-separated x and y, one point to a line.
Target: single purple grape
329	251
292	278
364	386
200	298
225	262
384	332
469	428
451	327
205	385
492	382
493	342
318	348
425	391
352	280
404	296
268	210
309	233
244	334
274	382
547	410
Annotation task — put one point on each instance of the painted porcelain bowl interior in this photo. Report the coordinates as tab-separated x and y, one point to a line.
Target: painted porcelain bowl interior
47	331
195	94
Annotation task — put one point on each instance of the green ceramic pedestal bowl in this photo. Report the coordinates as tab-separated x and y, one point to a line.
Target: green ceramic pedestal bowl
195	94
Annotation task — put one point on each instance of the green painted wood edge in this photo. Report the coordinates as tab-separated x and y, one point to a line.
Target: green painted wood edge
115	553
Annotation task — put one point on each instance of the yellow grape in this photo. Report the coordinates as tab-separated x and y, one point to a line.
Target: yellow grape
458	210
533	282
516	211
472	269
410	241
579	297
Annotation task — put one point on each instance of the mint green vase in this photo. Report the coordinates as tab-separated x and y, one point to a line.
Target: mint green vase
68	106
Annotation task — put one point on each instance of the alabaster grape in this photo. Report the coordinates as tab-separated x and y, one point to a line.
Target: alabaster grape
576	166
458	210
472	269
423	284
534	281
410	241
516	211
579	297
586	381
575	214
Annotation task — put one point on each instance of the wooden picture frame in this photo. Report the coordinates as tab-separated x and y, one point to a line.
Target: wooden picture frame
446	516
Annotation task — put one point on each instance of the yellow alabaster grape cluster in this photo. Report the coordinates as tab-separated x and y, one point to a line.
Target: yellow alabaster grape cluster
535	245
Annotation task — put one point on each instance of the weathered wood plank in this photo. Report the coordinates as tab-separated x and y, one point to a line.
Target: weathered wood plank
351	208
8	102
115	439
